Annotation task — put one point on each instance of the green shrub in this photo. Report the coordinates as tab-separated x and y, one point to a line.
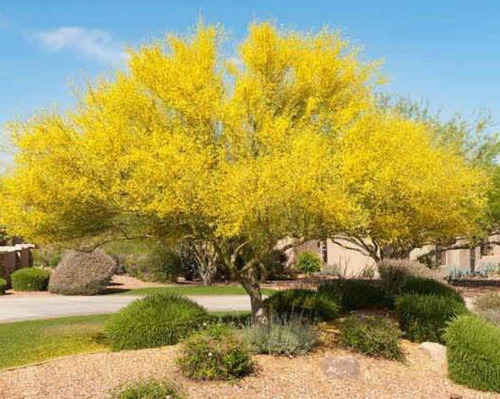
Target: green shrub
425	317
152	389
488	302
156	320
355	294
161	264
3	286
54	260
30	279
373	336
82	273
215	354
302	303
281	337
394	273
427	286
309	263
473	351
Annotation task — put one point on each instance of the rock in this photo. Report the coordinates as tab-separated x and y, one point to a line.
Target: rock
340	367
437	352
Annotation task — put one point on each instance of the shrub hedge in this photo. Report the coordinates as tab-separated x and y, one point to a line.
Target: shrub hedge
373	336
425	317
281	337
302	303
3	286
215	354
82	273
355	294
394	273
428	286
156	320
151	389
30	279
473	351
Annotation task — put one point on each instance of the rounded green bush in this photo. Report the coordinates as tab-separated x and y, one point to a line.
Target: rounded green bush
373	336
428	286
301	303
161	265
473	351
309	263
356	294
215	354
30	279
3	286
156	320
152	389
425	317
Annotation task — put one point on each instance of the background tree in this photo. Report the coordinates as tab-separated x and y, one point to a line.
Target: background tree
478	142
243	158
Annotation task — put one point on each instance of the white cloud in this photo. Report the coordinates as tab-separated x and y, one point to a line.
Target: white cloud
88	43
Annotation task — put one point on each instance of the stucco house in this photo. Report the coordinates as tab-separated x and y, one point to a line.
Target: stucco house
349	262
14	257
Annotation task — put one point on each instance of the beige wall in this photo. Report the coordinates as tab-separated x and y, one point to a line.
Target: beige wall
348	262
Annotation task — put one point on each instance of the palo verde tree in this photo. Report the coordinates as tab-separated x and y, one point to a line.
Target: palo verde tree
240	158
477	141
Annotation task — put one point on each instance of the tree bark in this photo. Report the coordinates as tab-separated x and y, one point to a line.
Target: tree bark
252	287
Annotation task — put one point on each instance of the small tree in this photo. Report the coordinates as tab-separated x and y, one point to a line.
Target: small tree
239	158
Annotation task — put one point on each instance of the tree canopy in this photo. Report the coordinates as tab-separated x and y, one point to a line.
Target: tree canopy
281	144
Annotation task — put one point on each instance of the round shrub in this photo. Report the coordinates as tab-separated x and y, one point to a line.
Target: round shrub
355	294
161	265
152	389
215	354
82	273
3	286
425	317
473	351
301	303
281	337
156	320
309	263
427	286
30	279
373	336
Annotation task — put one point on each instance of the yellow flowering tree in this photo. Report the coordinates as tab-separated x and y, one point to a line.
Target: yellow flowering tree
242	157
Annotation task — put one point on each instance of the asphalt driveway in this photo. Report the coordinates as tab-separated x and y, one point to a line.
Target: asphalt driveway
31	308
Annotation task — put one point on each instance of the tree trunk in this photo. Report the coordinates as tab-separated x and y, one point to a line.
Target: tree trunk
252	287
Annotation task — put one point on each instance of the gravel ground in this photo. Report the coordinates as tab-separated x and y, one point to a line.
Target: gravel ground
93	376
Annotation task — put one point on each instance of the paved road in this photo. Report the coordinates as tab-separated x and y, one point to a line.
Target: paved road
30	308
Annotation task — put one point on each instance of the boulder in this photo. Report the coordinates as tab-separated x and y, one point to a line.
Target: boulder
340	367
436	352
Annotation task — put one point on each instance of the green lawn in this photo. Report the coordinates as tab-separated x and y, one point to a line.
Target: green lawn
196	290
35	341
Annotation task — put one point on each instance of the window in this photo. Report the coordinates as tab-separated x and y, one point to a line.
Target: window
323	251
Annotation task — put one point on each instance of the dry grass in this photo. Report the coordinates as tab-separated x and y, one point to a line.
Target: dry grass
92	376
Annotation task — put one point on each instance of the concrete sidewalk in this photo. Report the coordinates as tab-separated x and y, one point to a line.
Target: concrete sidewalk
31	308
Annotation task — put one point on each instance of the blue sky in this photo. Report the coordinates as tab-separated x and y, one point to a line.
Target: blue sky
447	52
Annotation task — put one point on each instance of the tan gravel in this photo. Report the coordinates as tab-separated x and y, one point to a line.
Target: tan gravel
92	376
